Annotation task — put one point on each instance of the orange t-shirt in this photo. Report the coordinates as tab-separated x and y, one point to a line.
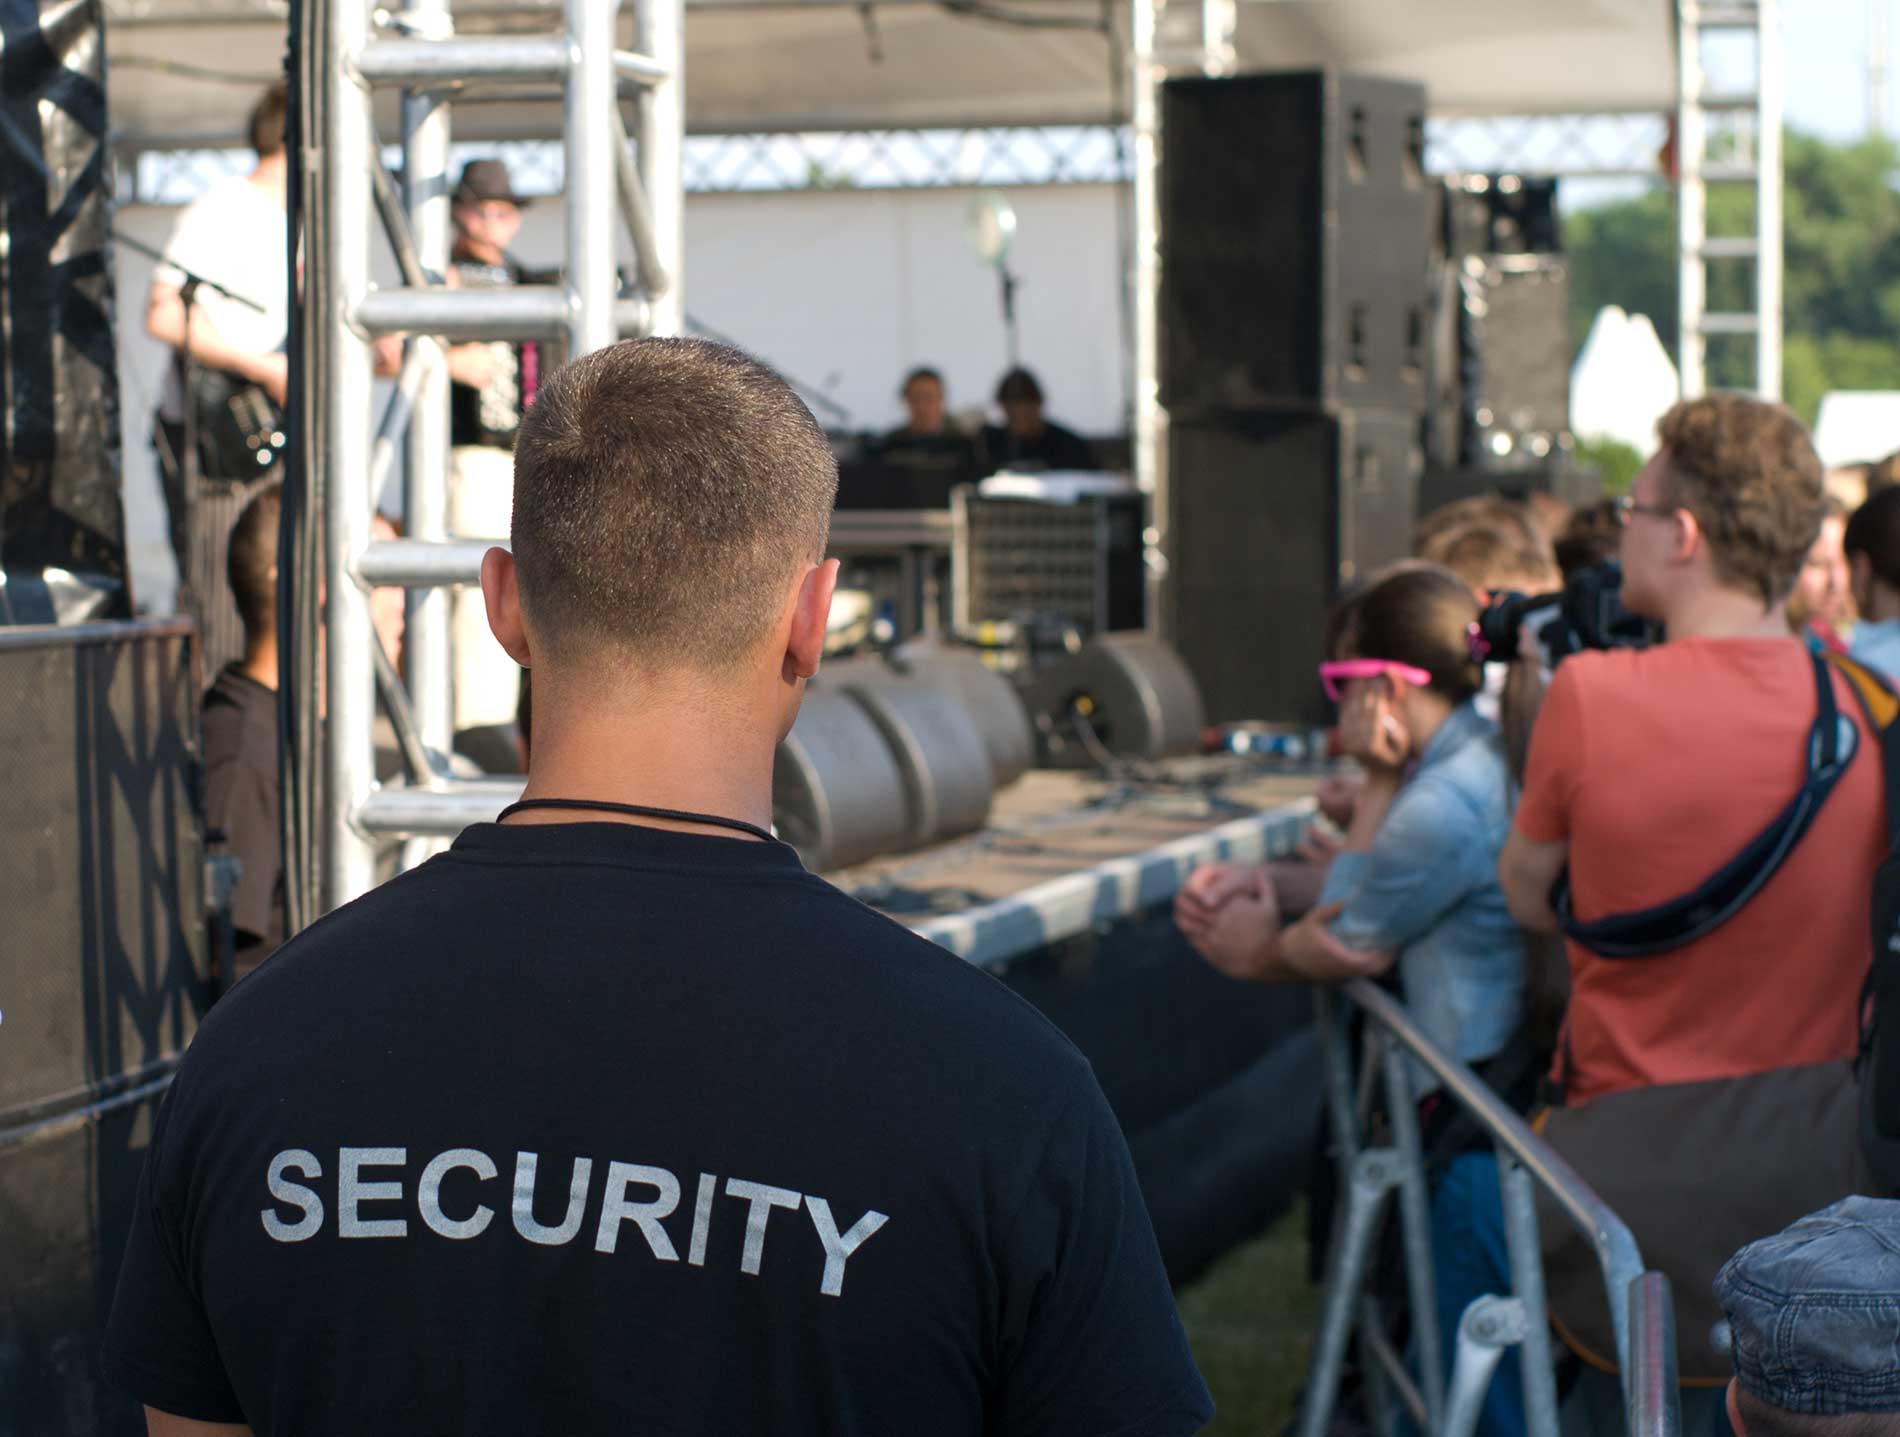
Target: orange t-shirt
1657	767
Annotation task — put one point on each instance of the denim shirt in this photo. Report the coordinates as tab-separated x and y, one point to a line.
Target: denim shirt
1877	645
1428	890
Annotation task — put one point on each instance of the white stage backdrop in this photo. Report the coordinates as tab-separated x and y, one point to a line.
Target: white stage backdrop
844	290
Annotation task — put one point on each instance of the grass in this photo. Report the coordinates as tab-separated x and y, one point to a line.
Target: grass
1250	1321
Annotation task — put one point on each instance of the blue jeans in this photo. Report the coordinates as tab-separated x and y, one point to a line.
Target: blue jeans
1470	1259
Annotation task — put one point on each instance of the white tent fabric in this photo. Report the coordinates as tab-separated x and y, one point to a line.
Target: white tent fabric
1623	381
1857	427
184	72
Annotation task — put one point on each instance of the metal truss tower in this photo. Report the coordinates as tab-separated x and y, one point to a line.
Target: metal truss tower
1750	122
418	53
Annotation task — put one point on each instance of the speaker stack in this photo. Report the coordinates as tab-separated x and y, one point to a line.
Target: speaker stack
1499	404
103	975
1296	322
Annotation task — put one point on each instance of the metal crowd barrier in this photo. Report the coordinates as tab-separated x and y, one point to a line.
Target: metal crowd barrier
1640	1304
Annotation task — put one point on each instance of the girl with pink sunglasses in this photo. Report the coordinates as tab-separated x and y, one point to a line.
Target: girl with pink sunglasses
1414	889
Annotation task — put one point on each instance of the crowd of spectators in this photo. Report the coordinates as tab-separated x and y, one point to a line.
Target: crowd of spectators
1697	1036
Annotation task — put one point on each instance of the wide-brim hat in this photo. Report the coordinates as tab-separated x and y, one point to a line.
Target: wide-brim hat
487	180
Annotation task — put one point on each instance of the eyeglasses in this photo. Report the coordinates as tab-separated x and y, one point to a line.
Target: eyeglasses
1626	506
1333	676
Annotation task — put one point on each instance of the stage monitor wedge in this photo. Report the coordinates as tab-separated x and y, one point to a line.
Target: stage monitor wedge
1296	226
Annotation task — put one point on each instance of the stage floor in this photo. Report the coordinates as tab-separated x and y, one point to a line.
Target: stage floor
1064	851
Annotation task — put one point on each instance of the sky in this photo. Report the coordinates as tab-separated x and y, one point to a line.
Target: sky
1824	65
1825	80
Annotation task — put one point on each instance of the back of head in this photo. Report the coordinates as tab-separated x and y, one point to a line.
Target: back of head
250	561
1589	538
1491	511
1417	614
1491	558
266	126
1812	1314
666	491
1747	470
1874	530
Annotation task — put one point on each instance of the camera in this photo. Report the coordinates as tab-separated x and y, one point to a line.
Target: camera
1587	613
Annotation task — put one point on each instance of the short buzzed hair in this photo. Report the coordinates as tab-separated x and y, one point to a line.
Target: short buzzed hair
665	490
250	561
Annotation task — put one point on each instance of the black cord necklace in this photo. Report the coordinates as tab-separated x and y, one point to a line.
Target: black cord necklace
635	810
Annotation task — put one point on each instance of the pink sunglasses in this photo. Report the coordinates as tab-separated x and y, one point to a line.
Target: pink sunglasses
1342	671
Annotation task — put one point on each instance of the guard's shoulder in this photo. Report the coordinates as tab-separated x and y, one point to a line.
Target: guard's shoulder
942	992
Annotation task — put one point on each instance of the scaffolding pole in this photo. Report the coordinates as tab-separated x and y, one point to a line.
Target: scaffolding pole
660	131
425	173
423	57
1755	114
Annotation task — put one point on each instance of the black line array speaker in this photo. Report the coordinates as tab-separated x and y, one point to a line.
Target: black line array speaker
1270	514
1517	358
1501	214
103	977
1296	226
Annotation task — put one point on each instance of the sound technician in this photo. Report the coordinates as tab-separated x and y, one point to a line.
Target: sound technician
1650	771
613	1118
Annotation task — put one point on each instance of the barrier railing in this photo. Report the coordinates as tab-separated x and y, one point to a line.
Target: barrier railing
1640	1305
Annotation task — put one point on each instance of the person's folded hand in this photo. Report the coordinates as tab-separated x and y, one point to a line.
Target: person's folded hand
1241	936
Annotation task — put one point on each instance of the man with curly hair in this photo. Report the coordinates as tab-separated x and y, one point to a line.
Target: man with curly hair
1649	772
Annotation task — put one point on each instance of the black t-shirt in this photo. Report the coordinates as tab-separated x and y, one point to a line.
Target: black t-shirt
242	798
928	466
597	1128
1054	448
491	414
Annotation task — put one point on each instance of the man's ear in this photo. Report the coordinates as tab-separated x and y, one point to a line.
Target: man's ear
811	611
501	595
1735	1411
1688	535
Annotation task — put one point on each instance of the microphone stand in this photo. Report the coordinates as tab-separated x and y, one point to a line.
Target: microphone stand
1009	283
189	468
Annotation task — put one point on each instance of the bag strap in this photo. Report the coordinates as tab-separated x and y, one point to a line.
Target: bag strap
1881	705
1643	933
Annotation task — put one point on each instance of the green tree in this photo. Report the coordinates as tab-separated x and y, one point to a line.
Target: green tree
1841	284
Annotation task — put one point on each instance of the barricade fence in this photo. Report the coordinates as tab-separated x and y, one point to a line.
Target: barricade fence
1370	1175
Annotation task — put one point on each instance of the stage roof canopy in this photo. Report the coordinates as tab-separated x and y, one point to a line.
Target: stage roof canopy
184	72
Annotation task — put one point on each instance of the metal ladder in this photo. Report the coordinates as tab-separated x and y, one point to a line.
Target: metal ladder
418	53
1760	166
